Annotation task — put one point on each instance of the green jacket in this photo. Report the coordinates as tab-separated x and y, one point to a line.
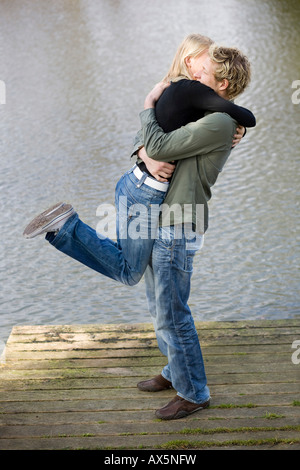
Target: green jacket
201	149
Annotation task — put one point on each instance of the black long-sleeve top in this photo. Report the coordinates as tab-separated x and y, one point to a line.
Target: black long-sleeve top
187	101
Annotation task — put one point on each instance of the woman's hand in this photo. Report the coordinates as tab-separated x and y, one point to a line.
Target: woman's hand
161	171
155	94
237	137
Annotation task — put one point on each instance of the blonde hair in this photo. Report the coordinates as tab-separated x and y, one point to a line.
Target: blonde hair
232	65
192	46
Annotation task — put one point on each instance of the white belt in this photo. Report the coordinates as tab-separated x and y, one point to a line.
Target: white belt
159	185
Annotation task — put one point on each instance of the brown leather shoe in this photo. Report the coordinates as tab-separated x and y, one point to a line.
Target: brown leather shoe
156	384
179	408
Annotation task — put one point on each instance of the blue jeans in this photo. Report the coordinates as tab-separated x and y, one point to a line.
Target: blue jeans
126	259
168	279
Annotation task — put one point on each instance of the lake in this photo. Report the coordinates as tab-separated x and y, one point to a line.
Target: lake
74	76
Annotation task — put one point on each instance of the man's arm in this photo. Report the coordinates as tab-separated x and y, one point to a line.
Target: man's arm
214	131
159	170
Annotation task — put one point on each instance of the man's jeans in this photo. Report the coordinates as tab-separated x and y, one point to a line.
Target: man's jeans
137	206
168	278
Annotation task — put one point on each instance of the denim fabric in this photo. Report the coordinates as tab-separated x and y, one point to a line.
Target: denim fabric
168	279
137	219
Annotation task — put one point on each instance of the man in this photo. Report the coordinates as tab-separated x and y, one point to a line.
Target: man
200	150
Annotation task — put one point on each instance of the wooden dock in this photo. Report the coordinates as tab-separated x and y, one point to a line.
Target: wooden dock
74	387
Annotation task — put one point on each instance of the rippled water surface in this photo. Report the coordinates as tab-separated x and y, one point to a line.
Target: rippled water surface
76	74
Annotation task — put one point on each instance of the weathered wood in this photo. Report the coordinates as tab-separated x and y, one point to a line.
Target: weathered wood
151	441
219	416
224	350
195	428
104	336
134	393
147	402
143	361
74	386
79	328
9	384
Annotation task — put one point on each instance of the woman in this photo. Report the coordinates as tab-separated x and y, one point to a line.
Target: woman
126	260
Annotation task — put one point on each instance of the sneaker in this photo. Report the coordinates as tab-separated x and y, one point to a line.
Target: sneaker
49	221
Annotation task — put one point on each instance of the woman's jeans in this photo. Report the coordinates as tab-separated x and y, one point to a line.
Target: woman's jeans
168	278
137	206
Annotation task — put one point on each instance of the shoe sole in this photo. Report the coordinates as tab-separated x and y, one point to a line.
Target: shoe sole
47	219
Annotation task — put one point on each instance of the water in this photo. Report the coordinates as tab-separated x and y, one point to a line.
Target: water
76	74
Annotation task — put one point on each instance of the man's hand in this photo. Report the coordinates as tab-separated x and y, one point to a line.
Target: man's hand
155	94
159	170
237	137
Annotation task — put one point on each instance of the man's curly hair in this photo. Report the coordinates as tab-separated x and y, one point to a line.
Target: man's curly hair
233	66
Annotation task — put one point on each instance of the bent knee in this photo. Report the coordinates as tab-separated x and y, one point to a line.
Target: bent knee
133	279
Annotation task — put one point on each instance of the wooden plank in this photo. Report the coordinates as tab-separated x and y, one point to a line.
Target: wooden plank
104	336
32	370
223	350
113	428
153	402
134	393
74	336
149	344
149	361
220	416
9	384
145	441
212	325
